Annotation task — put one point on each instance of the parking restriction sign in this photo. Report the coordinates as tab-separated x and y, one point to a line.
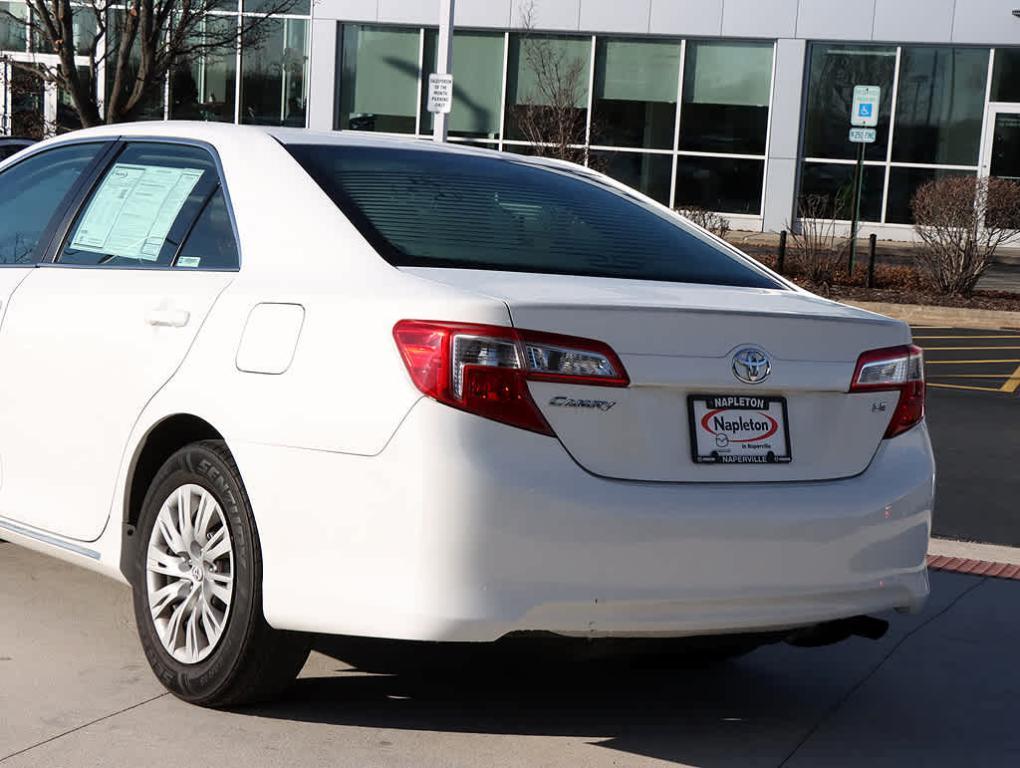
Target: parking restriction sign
865	108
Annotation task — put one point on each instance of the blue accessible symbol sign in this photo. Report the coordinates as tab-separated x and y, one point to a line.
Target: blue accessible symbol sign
864	113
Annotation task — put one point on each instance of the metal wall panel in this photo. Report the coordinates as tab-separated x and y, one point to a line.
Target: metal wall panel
614	16
351	10
701	18
903	21
986	22
322	75
549	14
836	19
759	18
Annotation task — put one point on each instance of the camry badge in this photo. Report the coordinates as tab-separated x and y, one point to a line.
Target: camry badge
751	365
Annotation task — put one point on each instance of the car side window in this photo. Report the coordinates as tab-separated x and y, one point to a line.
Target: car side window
32	192
140	212
211	244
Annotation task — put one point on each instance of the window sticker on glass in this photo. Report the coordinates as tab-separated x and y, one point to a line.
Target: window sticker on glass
132	212
189	261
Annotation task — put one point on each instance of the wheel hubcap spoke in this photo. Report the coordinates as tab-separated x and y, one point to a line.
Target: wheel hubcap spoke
190	574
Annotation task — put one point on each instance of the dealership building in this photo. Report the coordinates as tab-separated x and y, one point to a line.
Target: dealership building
736	106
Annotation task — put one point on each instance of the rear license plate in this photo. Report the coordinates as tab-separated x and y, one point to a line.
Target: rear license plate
739	429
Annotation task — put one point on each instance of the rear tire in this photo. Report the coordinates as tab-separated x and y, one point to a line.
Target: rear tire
198	594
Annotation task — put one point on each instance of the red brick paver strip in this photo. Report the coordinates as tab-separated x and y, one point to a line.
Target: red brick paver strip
974	567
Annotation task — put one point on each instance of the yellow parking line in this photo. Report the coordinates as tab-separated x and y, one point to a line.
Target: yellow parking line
970	376
994	336
963	349
971	362
962	386
1013	383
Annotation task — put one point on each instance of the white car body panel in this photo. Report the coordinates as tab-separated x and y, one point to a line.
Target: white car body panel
413	520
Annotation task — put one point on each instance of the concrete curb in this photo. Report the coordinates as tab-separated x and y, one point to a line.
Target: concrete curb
971	551
945	317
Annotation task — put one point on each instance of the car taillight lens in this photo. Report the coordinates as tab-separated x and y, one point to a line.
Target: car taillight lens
896	369
484	369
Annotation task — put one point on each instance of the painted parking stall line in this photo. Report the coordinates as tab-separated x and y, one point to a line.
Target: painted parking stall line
970	359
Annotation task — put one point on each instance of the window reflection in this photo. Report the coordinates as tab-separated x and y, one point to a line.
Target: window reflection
940	105
721	184
835	70
477	82
635	93
274	83
204	89
727	87
378	79
650	174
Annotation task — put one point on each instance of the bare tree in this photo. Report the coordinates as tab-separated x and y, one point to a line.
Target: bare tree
136	42
709	220
548	116
962	222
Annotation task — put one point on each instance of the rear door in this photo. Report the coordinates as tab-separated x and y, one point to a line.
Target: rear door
96	332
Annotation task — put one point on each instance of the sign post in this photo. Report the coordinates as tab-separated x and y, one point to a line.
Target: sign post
863	122
441	82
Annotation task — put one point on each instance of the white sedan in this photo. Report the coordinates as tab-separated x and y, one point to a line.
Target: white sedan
285	383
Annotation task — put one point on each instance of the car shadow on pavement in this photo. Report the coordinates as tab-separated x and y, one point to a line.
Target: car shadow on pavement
681	715
941	689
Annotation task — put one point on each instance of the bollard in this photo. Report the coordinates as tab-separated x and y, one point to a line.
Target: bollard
872	247
781	258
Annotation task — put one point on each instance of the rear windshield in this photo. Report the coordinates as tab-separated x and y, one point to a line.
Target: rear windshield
424	208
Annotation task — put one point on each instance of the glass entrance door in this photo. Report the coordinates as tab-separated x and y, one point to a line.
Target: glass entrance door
1002	143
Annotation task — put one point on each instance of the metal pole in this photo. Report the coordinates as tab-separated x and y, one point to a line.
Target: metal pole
781	258
444	61
872	247
859	185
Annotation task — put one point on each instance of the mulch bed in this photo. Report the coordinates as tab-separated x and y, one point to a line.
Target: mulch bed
894	283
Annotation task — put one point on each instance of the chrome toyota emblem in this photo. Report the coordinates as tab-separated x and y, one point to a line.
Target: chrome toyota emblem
751	365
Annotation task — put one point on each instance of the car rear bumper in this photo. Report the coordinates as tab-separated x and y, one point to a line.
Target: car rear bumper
463	529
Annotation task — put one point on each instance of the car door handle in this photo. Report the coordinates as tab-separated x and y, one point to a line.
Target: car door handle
168	318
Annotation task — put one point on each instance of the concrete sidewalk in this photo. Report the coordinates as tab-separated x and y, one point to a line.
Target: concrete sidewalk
940	690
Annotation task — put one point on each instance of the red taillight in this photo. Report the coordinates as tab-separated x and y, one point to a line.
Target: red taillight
484	369
895	369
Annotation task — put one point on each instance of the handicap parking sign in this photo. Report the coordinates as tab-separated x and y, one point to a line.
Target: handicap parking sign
864	113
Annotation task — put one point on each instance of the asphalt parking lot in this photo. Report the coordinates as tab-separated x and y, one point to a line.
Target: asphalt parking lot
941	689
974	417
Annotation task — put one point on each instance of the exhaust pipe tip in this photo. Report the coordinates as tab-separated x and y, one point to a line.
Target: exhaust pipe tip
832	632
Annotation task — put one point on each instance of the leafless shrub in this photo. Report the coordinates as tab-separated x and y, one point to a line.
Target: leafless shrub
962	222
816	252
709	220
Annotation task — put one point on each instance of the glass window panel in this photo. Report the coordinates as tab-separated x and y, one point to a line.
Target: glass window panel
13	32
940	105
835	181
1006	79
274	75
547	88
143	208
378	79
903	185
276	7
67	117
726	97
635	93
721	184
211	244
483	211
835	70
31	192
477	83
151	105
83	22
649	174
204	88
